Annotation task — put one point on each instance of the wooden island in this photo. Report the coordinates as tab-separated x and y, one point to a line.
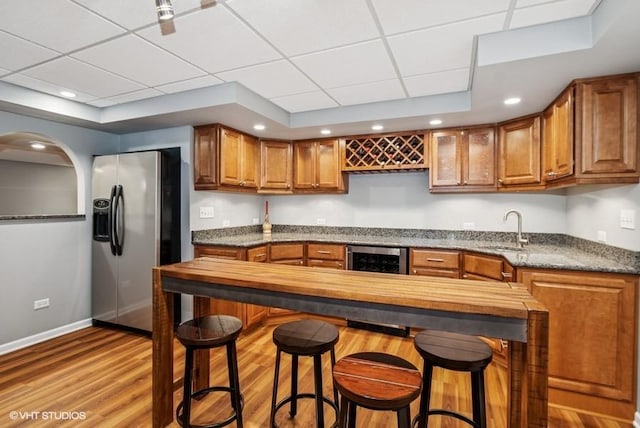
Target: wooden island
493	309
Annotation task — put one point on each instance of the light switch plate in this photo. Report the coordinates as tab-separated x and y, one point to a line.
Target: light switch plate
602	236
628	219
206	212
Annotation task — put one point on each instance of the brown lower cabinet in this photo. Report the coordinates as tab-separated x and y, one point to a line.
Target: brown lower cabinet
330	256
592	338
290	254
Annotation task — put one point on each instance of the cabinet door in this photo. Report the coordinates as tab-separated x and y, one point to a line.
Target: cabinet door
304	165
230	153
328	164
557	145
429	262
592	338
519	152
479	158
446	164
276	162
608	128
205	158
255	313
484	267
249	161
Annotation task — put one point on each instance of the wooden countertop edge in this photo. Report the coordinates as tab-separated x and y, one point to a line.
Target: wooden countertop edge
442	294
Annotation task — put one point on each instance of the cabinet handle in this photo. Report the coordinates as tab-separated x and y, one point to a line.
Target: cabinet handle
551	174
242	183
465	276
415	271
260	255
500	180
506	275
323	252
466	182
435	260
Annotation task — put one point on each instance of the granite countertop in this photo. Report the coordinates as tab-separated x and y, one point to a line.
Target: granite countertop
550	251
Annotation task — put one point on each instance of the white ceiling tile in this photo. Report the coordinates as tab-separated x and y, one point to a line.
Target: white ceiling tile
102	102
59	24
186	85
78	76
274	79
304	102
317	25
441	48
145	63
549	12
437	83
526	3
351	65
46	87
368	93
134	14
213	39
23	53
135	96
4	71
415	14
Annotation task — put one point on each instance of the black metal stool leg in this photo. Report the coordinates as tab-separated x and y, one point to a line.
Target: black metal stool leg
317	377
274	393
335	390
404	417
352	414
477	397
234	382
425	397
186	394
294	386
342	420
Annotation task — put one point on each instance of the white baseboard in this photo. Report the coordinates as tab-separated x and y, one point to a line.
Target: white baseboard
45	335
636	420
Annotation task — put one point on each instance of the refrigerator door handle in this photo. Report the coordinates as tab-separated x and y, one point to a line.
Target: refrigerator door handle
112	229
118	224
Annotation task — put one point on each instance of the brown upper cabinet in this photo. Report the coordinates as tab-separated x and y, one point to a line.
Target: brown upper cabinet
225	159
590	133
316	166
519	154
463	160
276	162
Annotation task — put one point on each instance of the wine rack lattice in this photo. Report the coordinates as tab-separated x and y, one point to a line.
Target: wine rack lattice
385	152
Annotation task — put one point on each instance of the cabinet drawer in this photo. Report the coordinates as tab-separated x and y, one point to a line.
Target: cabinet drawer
484	266
326	252
219	252
331	264
286	252
443	273
434	259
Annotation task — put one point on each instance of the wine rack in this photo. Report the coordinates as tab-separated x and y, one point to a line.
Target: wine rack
377	153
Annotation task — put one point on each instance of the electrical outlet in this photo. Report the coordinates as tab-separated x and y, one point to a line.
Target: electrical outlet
206	212
321	221
256	220
226	223
602	236
40	304
628	219
468	225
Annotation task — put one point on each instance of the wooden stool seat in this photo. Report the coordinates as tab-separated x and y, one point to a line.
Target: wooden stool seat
310	338
209	332
457	352
376	381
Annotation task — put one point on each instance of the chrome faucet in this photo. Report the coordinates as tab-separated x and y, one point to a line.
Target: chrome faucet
520	241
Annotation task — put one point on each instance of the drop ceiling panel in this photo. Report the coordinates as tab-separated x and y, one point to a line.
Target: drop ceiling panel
438	83
418	14
549	12
134	14
214	40
274	79
78	76
46	87
23	52
317	25
73	27
368	93
145	63
351	65
441	48
186	85
305	102
134	96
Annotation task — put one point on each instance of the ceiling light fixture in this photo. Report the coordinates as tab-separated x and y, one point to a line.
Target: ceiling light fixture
435	122
165	10
68	94
37	146
259	127
377	127
325	131
512	101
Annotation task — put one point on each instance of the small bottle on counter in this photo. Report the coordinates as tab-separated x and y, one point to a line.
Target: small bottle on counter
266	225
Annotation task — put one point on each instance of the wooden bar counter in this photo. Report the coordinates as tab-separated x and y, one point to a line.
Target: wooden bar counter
494	309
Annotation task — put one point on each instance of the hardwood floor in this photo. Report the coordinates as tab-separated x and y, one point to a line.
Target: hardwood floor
100	377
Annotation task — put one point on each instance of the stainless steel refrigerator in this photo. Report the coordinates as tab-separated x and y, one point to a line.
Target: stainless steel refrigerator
136	226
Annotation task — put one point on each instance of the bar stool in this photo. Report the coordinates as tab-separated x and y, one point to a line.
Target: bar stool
304	338
209	332
376	381
459	352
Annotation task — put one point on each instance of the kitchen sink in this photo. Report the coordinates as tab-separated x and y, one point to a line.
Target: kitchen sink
502	248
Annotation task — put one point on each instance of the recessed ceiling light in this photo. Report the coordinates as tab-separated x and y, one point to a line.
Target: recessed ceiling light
512	101
37	146
377	127
325	131
67	94
259	127
435	122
